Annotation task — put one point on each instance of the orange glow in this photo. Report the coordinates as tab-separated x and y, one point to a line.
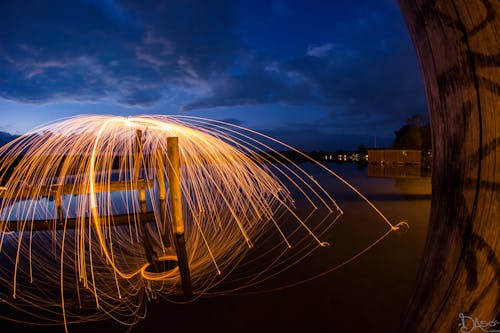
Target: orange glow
235	194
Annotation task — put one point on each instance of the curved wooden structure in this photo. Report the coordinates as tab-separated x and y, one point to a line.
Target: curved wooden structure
458	46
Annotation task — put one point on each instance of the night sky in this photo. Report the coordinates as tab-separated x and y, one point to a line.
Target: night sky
315	74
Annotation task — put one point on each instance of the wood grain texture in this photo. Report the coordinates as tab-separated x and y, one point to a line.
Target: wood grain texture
458	46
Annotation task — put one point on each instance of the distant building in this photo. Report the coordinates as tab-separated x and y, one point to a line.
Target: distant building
394	156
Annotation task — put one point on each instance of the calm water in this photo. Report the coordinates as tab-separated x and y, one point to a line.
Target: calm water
368	295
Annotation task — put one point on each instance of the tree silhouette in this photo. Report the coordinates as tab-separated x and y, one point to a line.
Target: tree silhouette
415	134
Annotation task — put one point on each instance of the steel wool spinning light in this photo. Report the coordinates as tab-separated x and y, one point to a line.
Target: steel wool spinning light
100	213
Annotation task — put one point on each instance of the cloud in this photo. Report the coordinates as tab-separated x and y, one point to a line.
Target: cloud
253	88
109	50
367	68
6	137
354	60
319	51
353	87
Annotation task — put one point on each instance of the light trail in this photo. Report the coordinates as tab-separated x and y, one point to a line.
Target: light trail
78	241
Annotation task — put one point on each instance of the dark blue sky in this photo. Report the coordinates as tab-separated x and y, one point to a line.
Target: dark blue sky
316	74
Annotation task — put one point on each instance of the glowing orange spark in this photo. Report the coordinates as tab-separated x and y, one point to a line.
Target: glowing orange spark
105	228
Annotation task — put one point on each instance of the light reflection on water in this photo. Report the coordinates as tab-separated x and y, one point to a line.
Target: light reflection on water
44	208
368	295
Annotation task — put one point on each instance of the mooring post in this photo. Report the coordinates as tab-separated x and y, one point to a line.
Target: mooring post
59	209
137	168
162	196
173	173
151	255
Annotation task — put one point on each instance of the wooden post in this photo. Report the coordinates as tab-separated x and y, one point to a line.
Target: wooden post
176	212
458	46
151	255
162	195
138	156
59	210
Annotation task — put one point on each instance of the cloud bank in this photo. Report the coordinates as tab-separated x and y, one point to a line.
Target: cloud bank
354	60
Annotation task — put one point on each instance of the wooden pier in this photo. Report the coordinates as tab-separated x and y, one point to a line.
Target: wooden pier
170	165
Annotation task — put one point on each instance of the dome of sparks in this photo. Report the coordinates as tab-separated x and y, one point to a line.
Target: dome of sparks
104	212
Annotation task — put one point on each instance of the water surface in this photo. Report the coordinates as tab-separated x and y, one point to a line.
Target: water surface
368	295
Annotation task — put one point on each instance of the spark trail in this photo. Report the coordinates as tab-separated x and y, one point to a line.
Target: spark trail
83	215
